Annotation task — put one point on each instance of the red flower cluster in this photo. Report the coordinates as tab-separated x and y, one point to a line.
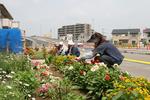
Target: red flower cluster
95	61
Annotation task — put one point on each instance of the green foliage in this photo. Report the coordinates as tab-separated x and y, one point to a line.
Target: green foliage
10	92
99	82
17	81
26	81
11	62
63	92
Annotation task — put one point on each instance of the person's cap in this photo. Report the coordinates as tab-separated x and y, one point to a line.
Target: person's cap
70	43
95	37
60	43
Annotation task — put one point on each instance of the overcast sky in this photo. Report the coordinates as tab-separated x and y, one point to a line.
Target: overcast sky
42	16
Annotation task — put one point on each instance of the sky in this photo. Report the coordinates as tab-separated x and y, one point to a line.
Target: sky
43	16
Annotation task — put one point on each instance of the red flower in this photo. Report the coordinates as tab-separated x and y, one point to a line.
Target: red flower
97	61
82	72
107	77
45	73
92	62
121	78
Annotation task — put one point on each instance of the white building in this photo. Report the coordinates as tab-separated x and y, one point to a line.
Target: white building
146	35
80	32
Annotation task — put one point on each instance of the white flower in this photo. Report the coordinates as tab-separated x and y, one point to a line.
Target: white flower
116	66
12	72
29	95
94	68
9	76
102	64
70	68
9	87
20	82
11	93
3	82
33	99
26	84
3	72
84	73
52	80
66	67
0	78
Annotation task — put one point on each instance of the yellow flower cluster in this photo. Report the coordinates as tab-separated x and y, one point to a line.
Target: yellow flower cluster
138	85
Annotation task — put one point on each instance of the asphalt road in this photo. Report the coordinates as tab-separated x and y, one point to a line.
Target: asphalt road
137	69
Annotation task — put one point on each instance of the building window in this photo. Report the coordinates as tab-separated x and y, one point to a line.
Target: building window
115	42
133	35
148	35
133	43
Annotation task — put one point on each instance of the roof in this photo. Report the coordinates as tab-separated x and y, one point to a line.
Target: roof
121	31
5	12
147	30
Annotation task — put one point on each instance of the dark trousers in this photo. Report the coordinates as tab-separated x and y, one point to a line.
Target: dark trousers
109	61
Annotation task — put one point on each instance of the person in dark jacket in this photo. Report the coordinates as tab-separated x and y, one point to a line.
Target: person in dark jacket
107	52
72	49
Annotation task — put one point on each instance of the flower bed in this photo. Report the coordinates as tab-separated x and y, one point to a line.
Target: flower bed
21	79
99	82
17	81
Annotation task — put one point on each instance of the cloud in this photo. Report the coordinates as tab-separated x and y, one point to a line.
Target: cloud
52	14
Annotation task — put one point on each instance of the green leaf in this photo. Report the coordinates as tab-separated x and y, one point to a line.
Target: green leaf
117	96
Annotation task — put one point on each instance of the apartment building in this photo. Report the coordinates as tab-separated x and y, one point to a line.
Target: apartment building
126	37
80	32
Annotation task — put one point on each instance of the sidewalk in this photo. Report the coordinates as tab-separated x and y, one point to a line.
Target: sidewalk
143	51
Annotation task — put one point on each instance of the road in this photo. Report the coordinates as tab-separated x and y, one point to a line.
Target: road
137	69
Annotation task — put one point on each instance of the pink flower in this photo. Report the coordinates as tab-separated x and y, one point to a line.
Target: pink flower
44	88
45	73
36	63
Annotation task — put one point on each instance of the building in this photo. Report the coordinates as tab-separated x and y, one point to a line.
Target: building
39	41
146	35
5	17
8	22
80	32
126	37
4	12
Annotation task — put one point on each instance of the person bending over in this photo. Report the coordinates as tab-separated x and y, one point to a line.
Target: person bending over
107	52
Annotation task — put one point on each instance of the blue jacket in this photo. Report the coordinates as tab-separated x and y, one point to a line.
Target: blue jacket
74	51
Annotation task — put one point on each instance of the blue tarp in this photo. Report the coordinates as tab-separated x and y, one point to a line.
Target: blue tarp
11	39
